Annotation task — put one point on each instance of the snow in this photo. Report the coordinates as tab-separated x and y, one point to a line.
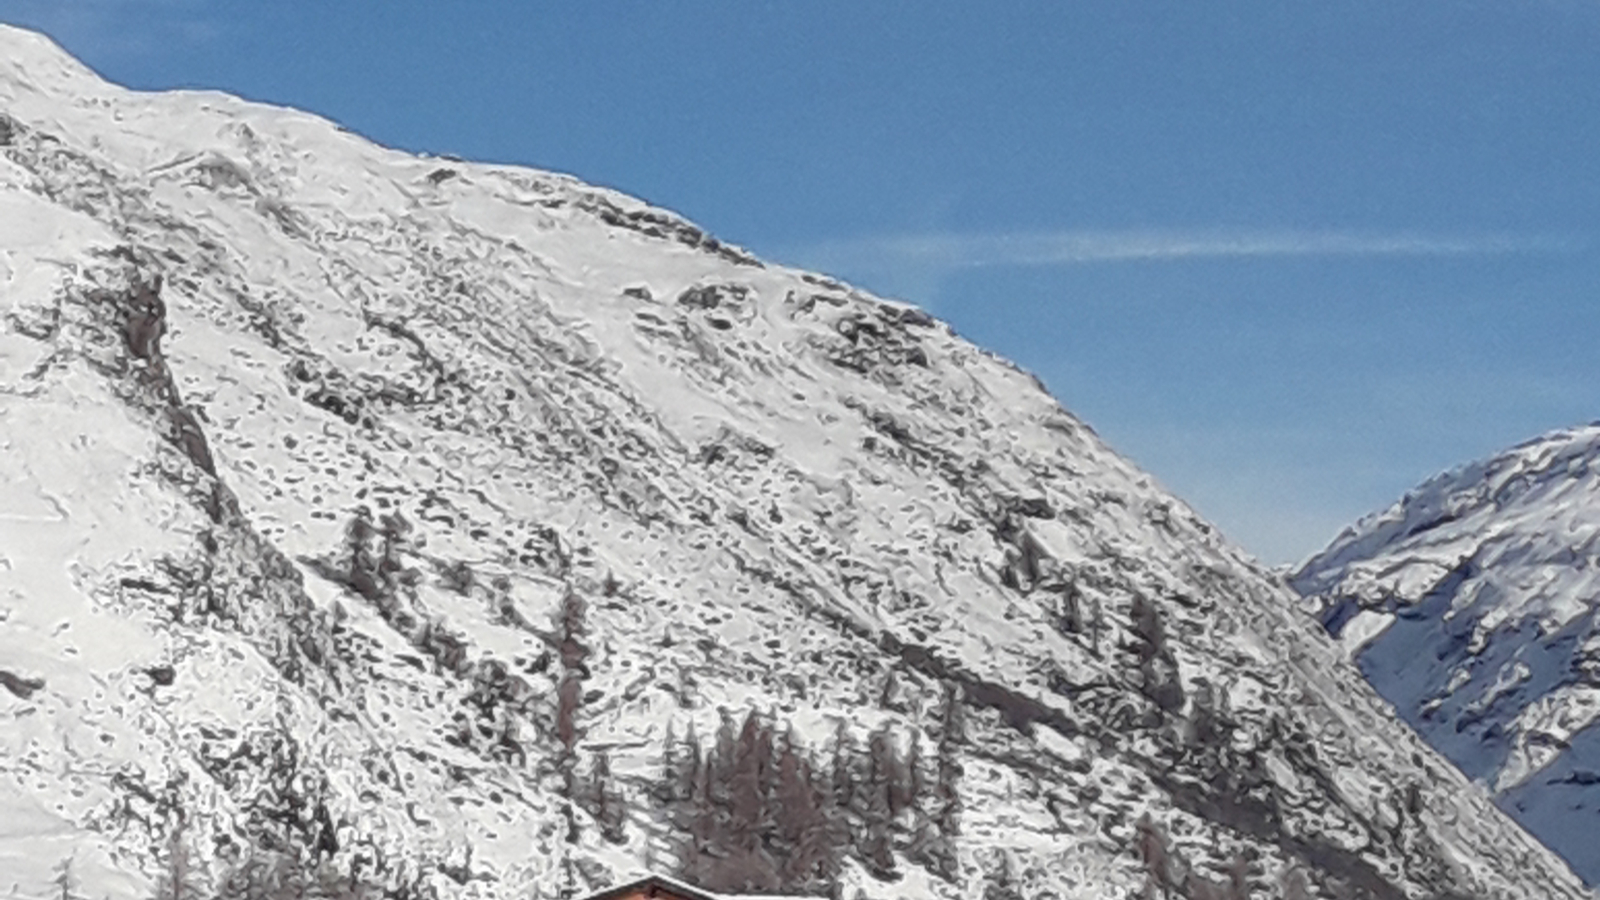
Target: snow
1363	629
772	490
1491	570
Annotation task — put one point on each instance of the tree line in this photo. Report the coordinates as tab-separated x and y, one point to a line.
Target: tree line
756	810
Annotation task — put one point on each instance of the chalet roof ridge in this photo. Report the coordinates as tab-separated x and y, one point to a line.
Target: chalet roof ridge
651	885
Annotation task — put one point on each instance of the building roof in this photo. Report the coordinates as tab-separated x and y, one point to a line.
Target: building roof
668	889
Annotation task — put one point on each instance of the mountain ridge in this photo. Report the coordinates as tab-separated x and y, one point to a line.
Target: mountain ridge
1488	568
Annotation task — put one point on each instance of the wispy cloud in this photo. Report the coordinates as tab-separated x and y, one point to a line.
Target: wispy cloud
916	266
1081	247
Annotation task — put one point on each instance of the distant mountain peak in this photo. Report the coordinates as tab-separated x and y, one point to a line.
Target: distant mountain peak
1471	604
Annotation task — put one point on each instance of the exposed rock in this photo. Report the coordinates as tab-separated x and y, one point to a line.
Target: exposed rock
23	688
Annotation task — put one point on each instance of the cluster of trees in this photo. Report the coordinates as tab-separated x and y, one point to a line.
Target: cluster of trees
374	567
257	873
1168	876
758	811
267	876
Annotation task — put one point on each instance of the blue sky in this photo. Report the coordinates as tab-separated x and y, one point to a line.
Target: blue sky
1290	256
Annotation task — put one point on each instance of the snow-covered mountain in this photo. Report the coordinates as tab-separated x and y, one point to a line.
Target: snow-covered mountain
310	447
1473	605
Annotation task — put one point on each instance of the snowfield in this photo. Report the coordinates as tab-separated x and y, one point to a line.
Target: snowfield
307	442
1471	604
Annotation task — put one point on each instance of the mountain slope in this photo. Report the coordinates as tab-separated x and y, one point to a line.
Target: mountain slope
1471	605
310	444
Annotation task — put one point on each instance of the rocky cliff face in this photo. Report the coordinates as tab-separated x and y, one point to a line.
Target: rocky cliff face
1471	605
356	506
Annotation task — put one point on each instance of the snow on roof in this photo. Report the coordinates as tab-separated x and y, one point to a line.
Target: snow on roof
659	885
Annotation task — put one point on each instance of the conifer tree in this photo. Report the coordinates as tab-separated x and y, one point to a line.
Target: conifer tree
1156	854
1158	668
396	534
361	569
665	790
761	814
748	778
913	782
804	840
178	880
64	880
1239	878
878	810
698	820
571	629
921	825
609	812
691	765
719	762
845	782
940	846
